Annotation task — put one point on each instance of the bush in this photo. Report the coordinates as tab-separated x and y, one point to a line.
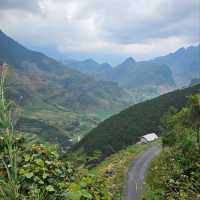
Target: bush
41	171
175	174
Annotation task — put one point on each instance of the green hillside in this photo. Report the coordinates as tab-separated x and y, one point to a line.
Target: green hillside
56	96
126	127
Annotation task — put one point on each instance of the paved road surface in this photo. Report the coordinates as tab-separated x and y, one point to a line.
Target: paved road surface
136	174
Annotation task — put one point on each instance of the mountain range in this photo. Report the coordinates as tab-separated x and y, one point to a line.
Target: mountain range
129	74
53	95
184	64
134	75
89	66
177	68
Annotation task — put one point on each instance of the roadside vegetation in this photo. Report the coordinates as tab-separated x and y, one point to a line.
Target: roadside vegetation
36	171
114	169
175	173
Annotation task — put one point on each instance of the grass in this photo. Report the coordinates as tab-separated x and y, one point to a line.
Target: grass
154	176
9	188
118	165
174	173
165	179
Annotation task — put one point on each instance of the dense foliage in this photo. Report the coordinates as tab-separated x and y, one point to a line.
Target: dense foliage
125	128
41	173
36	171
175	174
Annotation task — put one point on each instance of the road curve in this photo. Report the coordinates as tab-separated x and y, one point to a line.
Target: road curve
135	179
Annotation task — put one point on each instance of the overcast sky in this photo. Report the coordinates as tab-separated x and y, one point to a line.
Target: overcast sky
107	30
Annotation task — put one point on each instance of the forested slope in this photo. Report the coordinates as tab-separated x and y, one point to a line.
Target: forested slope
126	127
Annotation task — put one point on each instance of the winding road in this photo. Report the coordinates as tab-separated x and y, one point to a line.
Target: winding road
135	179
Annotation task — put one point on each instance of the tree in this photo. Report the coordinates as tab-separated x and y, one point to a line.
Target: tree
194	112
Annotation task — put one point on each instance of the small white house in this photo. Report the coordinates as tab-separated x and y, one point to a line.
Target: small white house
148	138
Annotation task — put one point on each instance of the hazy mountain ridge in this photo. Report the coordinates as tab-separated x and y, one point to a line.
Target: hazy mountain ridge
143	80
39	84
179	68
88	66
129	74
184	64
60	80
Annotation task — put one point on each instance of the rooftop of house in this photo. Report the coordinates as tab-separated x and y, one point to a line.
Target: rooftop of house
150	136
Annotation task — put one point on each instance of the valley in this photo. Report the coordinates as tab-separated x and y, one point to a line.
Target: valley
99	100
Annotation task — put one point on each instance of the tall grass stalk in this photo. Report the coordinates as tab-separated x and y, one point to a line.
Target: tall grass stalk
8	185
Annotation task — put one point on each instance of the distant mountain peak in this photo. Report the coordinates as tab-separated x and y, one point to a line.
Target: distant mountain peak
184	64
2	34
90	60
181	50
105	64
129	61
186	49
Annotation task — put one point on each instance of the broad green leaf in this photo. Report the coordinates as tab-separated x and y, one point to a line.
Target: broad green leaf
50	188
73	195
29	175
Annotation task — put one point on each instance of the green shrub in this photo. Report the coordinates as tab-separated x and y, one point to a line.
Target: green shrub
175	174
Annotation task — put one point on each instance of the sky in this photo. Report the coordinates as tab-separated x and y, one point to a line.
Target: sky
106	30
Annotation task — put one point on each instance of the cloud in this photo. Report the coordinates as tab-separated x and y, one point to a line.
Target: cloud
139	28
19	5
141	20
